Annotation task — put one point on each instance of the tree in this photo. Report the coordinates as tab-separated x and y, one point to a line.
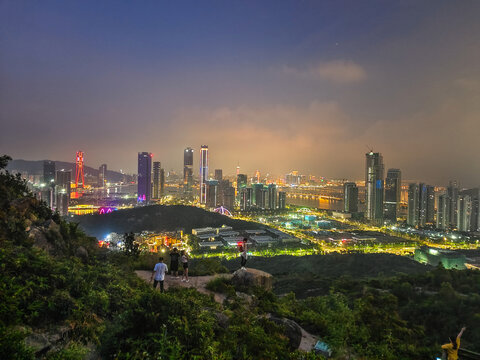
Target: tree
131	247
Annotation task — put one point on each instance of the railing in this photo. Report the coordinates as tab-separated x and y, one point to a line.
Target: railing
468	355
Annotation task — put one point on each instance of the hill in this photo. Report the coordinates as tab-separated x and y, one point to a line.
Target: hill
156	218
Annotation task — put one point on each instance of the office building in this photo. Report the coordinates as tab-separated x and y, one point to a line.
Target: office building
218	174
157	166
350	197
62	191
212	193
282	200
474	222
241	184
413	204
374	187
257	199
49	173
188	170
272	196
245	198
464	212
144	180
102	176
443	212
228	197
203	173
452	192
162	182
393	188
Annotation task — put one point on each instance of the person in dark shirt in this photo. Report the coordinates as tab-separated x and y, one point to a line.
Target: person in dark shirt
174	255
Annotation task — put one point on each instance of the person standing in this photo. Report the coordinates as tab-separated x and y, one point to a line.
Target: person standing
159	271
452	348
243	254
174	255
184	260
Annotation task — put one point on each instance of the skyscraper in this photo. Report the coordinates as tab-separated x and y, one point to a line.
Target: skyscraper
413	204
430	204
228	197
350	197
374	187
473	208
272	196
212	193
62	191
257	195
282	200
144	177
156	179
162	182
393	187
218	174
188	169
102	175
203	173
464	212
452	193
443	212
49	173
241	184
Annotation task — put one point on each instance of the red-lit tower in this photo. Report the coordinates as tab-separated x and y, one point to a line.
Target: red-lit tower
79	176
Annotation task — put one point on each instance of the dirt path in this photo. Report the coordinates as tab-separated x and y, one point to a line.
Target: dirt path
200	283
197	282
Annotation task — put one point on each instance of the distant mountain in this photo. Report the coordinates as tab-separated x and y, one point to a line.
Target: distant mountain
35	167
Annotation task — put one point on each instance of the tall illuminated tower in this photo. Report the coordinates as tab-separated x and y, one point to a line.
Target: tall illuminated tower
203	173
79	174
188	169
393	186
144	177
374	187
156	179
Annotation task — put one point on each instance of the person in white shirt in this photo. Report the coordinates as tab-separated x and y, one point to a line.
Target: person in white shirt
159	271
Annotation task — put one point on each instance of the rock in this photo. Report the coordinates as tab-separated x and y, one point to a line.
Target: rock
82	253
222	319
39	343
252	277
39	239
245	297
51	225
293	331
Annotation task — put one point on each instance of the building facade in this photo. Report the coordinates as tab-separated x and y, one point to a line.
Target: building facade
144	180
374	187
350	197
393	188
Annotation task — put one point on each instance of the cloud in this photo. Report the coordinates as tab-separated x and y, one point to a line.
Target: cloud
337	71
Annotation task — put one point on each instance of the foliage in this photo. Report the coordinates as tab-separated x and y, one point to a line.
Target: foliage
131	247
221	285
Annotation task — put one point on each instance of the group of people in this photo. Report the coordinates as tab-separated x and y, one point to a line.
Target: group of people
160	269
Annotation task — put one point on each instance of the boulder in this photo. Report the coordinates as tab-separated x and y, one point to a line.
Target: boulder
293	331
39	343
252	277
39	239
82	253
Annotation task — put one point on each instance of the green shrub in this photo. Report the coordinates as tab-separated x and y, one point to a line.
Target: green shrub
222	285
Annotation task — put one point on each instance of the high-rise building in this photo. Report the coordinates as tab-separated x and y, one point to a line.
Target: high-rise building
156	179
282	200
464	212
421	204
374	187
241	184
62	191
228	197
452	192
162	182
212	193
203	173
393	188
79	170
218	174
443	212
102	175
144	181
49	173
430	218
350	197
472	209
272	196
257	195
413	205
245	198
188	169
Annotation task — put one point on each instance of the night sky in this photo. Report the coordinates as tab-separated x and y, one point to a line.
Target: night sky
269	85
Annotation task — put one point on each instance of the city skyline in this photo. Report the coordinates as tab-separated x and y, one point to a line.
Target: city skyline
306	87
